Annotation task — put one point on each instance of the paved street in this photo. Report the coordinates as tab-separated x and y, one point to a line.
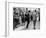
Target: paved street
30	27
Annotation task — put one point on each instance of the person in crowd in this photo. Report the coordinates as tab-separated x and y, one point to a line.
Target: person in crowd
27	19
34	19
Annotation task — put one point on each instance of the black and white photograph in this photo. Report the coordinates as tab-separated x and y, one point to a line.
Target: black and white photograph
25	18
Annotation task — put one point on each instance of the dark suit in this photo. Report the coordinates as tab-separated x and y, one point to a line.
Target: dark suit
27	19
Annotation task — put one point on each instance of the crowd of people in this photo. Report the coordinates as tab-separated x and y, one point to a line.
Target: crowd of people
22	15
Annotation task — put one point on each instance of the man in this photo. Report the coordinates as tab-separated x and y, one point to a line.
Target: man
34	18
27	19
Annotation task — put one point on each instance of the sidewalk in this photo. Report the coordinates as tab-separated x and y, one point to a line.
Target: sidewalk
21	27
